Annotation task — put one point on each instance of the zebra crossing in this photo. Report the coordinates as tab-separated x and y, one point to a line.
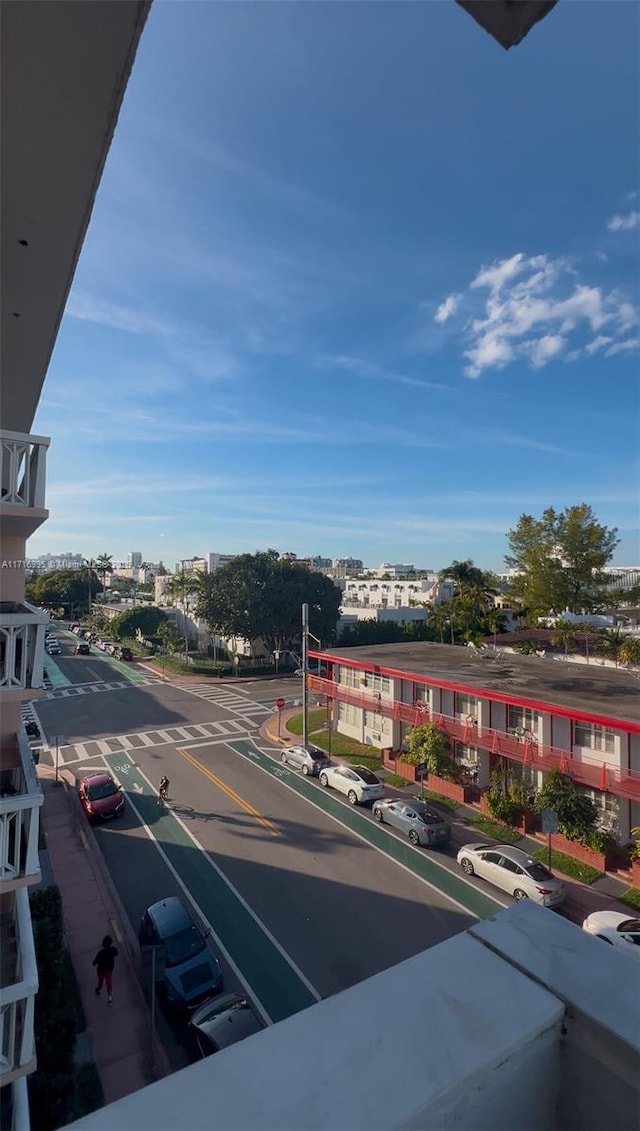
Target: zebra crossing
228	699
96	687
97	747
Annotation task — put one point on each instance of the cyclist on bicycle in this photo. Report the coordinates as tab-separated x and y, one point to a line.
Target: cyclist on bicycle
163	789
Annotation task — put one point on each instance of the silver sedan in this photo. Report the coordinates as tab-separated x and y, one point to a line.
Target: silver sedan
421	823
308	759
512	870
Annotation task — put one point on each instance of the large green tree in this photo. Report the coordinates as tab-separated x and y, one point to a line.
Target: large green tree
104	566
65	588
147	620
559	558
261	595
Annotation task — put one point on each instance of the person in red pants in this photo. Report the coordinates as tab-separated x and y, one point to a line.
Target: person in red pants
104	963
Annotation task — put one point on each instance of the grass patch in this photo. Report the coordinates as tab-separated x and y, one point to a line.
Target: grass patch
338	745
568	866
396	781
88	1095
317	718
439	799
496	830
632	898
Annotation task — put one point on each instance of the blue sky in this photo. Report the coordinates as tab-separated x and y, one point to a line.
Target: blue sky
357	282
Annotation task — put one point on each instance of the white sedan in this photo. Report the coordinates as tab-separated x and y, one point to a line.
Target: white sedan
616	928
357	782
512	870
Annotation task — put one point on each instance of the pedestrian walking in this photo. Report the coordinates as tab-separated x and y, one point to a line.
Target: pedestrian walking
104	963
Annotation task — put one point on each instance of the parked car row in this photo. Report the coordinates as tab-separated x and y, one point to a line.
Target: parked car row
88	637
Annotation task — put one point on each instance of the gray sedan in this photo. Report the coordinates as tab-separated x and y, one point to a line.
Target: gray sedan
308	759
421	823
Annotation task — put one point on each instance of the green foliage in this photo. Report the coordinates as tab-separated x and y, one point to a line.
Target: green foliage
63	588
503	807
527	647
560	862
630	651
632	898
634	851
428	744
261	596
564	635
372	631
501	833
576	812
57	1016
148	621
559	559
169	637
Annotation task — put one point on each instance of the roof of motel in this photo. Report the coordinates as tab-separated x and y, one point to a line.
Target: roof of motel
588	689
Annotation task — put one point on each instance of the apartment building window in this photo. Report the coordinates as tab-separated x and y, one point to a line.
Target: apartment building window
594	737
608	809
379	684
522	719
349	715
466	705
377	723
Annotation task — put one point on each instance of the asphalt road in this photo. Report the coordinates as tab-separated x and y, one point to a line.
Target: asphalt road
305	897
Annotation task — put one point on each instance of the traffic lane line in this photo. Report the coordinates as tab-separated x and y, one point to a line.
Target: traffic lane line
231	793
433	874
253	953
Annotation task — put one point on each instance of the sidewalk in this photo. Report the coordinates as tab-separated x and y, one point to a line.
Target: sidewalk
582	899
119	1035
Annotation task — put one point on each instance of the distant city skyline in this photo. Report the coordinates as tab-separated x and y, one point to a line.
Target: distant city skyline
373	288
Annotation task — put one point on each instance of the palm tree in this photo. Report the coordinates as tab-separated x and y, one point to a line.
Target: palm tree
88	571
630	651
104	565
564	634
494	621
439	619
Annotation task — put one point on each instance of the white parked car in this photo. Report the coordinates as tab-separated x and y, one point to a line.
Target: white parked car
357	782
514	871
616	928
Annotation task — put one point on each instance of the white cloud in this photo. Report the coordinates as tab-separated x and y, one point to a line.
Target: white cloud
535	308
623	347
447	308
88	309
597	344
542	350
372	372
624	223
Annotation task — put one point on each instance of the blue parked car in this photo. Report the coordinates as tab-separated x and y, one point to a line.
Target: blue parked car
191	972
420	822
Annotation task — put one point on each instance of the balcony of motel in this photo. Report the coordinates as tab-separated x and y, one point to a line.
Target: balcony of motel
22	630
22	486
585	770
519	1023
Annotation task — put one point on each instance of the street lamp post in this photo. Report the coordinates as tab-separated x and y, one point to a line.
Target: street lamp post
305	671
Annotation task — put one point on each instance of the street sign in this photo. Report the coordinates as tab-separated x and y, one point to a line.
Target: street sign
549	819
280	702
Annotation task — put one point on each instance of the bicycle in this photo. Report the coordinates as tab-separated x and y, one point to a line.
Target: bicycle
163	795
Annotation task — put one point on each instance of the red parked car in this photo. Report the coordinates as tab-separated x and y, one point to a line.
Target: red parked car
100	797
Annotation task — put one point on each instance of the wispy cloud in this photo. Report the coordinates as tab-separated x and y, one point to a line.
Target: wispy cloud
86	308
372	372
447	308
534	310
627	346
624	223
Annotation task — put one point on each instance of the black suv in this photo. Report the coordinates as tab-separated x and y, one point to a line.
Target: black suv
82	648
124	654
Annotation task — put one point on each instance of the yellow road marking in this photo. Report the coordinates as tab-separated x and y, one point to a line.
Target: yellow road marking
231	793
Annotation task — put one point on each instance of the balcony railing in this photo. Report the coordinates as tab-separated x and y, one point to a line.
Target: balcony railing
17	1048
23	475
22	629
20	801
540	756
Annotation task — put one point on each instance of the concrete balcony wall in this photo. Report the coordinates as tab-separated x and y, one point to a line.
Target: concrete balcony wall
20	802
22	630
514	1025
22	482
19	985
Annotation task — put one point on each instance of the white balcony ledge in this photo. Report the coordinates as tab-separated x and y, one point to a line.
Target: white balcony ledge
23	473
17	997
20	801
22	629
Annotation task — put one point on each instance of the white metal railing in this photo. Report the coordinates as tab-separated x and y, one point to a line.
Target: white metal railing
22	629
17	1048
20	817
24	469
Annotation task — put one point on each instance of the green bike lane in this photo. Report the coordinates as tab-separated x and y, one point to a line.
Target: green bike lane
250	948
416	860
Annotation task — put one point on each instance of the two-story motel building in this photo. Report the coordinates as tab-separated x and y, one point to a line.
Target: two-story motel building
540	713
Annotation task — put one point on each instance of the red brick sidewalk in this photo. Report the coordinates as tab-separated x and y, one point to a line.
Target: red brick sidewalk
120	1035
